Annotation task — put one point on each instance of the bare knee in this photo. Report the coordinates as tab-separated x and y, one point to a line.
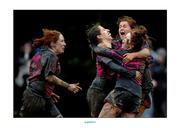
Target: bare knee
109	111
129	115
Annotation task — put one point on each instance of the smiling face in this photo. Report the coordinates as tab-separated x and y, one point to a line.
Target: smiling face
104	34
124	28
59	46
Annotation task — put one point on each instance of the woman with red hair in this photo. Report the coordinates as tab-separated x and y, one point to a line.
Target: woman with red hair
38	98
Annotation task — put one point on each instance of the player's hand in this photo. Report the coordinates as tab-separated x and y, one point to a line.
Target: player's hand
138	76
74	88
128	57
55	97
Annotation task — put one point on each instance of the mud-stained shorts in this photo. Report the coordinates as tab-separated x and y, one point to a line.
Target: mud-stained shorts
95	98
38	106
124	100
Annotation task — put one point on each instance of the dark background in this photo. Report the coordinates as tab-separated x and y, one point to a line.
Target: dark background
76	62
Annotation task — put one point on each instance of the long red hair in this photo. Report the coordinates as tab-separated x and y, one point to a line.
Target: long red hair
48	37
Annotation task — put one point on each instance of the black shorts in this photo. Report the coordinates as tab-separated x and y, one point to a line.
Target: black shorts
124	99
37	106
95	98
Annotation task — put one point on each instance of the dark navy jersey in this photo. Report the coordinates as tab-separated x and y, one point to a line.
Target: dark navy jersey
43	63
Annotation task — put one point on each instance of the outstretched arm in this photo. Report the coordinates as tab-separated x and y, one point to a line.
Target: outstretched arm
57	81
119	55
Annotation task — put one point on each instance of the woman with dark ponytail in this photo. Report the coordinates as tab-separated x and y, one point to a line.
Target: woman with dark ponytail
127	93
106	70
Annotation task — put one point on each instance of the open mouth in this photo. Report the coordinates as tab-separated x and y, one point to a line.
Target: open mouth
122	33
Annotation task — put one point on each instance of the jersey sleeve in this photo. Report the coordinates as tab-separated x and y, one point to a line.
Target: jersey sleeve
117	68
50	65
113	54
